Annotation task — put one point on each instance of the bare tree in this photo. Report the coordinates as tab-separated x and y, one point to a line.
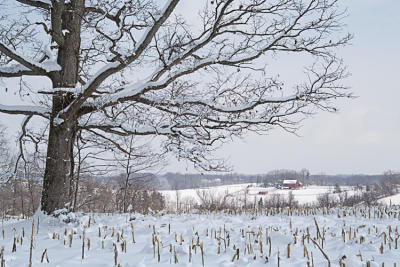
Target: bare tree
89	159
33	175
135	158
337	188
245	196
390	182
177	195
305	176
4	153
326	200
275	201
21	195
291	202
76	178
139	68
212	200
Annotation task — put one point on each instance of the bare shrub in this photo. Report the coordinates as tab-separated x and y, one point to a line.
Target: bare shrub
326	200
211	200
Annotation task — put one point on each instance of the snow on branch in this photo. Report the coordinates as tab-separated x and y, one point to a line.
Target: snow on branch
25	110
189	54
125	131
36	67
15	70
121	63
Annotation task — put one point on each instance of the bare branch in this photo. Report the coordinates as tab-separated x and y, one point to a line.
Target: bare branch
20	142
36	3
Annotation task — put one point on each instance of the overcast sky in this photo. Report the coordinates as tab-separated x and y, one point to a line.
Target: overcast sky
363	137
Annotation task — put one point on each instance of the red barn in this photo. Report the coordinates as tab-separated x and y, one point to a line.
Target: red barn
291	184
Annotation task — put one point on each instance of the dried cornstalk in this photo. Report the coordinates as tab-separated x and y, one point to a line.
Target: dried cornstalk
305	252
360	255
14	247
153	241
236	256
175	256
31	245
43	256
83	244
318	232
115	254
133	234
158	250
202	253
2	262
323	252
279	259
190	253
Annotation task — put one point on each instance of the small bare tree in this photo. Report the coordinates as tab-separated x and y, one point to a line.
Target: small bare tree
135	158
175	187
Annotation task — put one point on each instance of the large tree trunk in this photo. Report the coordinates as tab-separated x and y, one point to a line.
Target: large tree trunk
66	21
56	183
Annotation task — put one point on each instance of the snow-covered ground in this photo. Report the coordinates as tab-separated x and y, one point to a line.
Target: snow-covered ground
353	236
304	196
391	200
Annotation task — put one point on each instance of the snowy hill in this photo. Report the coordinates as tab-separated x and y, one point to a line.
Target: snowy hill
391	200
251	192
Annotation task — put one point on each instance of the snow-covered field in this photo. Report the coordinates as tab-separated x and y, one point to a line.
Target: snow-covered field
238	192
351	236
391	200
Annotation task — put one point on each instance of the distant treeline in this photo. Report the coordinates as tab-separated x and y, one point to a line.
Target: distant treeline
21	195
183	181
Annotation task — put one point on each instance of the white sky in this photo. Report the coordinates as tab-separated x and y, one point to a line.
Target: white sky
362	138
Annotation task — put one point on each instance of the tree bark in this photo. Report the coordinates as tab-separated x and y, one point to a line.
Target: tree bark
56	176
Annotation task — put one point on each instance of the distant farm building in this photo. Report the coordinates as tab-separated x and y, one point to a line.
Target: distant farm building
291	184
263	192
